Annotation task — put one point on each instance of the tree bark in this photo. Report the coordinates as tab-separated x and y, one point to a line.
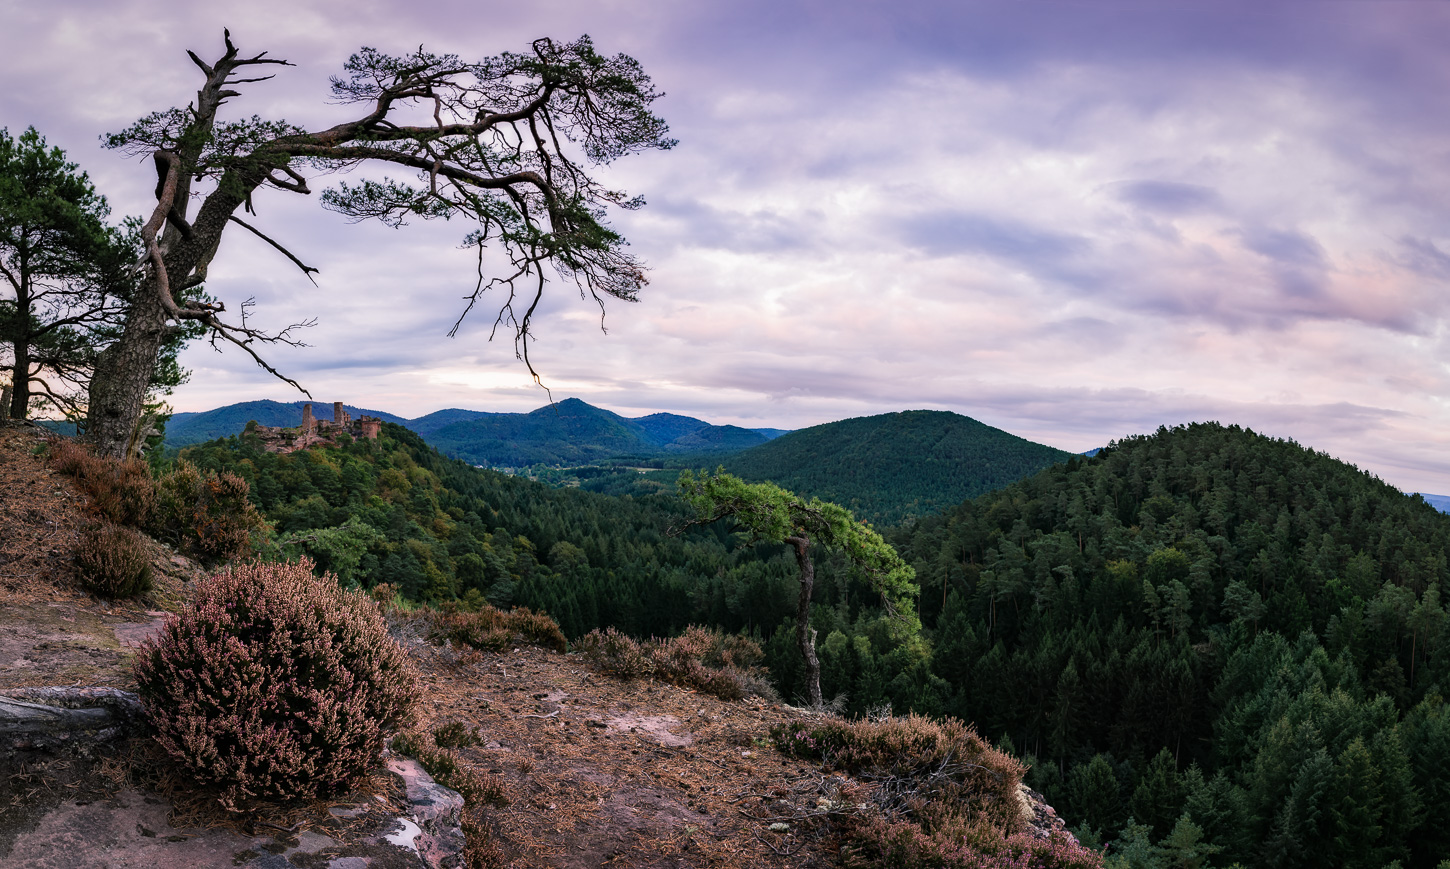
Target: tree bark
20	378
118	387
805	635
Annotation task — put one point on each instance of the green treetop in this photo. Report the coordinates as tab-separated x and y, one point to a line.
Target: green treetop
767	512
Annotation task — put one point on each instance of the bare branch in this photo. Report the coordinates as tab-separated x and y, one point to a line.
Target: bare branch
306	269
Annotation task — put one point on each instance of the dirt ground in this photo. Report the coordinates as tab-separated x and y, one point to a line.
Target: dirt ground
601	772
51	631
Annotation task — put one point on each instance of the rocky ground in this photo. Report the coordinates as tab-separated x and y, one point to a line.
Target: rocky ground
591	771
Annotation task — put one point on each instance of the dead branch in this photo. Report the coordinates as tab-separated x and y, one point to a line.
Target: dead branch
306	269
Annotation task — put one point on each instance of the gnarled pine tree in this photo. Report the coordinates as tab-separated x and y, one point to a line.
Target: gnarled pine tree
765	511
503	143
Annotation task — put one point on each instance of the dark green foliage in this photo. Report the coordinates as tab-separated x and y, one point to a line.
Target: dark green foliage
895	466
1210	622
1204	623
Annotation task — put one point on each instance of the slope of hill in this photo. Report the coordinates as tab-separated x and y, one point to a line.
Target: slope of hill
426	425
893	466
574	769
1211	623
185	429
571	432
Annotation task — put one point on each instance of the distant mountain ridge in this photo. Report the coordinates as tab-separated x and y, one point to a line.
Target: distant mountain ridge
571	432
185	429
1439	502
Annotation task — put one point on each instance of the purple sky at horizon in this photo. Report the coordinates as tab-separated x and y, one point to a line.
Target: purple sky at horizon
1074	221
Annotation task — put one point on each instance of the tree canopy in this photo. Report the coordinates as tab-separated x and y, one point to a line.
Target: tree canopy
64	273
504	143
767	512
68	282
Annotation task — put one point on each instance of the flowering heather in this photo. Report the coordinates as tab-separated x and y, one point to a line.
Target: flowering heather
112	561
710	660
275	684
947	799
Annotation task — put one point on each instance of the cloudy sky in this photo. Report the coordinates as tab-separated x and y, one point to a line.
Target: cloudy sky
1071	220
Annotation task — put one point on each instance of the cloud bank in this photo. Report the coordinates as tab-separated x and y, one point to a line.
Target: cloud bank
1073	221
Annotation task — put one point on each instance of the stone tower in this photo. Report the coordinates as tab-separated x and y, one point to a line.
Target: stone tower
340	417
309	424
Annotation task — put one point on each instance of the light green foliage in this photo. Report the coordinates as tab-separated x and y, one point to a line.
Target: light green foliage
767	512
339	549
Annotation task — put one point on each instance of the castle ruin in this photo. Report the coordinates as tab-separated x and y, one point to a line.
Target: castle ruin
314	431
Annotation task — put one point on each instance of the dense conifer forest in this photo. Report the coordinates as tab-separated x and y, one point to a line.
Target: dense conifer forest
895	466
1205	641
1208	623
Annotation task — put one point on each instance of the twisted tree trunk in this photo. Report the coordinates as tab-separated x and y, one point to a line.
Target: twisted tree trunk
805	635
123	373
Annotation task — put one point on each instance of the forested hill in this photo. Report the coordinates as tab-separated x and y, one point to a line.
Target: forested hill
893	466
395	510
1212	624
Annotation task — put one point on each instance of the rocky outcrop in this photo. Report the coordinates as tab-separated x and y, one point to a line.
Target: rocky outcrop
49	719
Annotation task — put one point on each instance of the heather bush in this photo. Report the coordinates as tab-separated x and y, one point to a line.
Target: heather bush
712	661
456	734
614	653
947	799
208	515
960	845
494	630
113	561
119	492
945	768
275	684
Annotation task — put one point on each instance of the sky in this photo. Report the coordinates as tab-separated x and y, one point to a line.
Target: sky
1074	220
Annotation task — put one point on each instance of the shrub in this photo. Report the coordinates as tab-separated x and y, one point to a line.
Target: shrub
495	630
456	734
878	842
712	661
615	653
948	800
112	561
119	492
275	684
207	514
